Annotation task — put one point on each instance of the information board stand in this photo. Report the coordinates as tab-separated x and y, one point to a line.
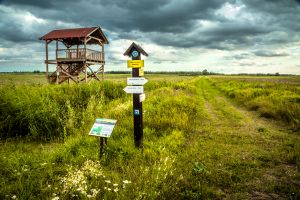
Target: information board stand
102	128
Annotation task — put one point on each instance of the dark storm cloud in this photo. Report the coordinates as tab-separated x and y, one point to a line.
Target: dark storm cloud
164	22
18	28
283	14
33	3
268	53
160	16
175	17
10	30
224	37
26	53
240	56
144	15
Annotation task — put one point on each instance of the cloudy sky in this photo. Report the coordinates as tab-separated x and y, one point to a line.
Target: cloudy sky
234	36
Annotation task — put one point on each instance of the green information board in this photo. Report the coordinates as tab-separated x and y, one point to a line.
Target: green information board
103	127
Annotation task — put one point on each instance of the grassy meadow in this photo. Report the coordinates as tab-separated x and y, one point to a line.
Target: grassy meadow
205	137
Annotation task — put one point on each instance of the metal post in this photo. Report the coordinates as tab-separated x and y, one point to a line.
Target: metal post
102	143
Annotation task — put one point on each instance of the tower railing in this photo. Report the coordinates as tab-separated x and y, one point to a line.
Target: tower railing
79	54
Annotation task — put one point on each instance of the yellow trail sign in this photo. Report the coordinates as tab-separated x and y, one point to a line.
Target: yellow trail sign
141	71
135	63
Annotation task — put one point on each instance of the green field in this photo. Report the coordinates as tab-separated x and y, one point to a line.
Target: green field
205	137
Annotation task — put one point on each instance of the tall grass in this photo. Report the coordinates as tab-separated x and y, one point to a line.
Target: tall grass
172	116
45	111
271	98
196	146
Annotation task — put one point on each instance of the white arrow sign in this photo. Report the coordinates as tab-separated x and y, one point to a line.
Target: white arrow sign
136	81
134	89
142	97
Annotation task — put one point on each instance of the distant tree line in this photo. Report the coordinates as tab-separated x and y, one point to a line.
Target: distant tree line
180	73
197	73
24	72
185	73
262	74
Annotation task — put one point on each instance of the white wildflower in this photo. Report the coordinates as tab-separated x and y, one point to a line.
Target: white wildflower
180	177
126	182
107	181
95	191
14	197
115	184
116	190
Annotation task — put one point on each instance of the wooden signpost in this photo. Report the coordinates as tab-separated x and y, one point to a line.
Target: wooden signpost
134	51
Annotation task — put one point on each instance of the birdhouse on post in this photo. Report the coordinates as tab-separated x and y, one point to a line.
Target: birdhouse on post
137	89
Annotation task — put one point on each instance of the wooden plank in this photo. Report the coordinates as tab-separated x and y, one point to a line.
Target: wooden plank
69	75
69	60
99	40
103	58
47	68
92	75
50	62
56	49
94	62
85	48
69	71
77	51
85	68
101	69
57	72
88	39
95	74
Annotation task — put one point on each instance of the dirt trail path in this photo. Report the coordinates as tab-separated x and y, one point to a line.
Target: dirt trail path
264	164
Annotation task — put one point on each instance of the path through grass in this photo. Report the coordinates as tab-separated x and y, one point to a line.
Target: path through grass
198	145
255	158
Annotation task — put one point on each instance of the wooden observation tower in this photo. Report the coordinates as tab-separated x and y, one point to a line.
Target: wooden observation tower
73	61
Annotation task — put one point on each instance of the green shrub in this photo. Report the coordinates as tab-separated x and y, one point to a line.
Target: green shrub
52	111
